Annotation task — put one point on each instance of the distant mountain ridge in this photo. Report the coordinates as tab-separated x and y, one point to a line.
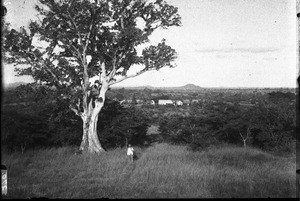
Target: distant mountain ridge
187	86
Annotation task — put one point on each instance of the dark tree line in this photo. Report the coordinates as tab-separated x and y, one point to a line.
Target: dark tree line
45	120
270	127
49	122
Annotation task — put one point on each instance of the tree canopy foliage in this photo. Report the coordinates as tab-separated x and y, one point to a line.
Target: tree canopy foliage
69	33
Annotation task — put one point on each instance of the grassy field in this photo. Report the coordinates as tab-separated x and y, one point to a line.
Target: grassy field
161	171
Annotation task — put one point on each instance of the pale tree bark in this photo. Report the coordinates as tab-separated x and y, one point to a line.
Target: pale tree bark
93	140
84	143
23	145
90	141
245	138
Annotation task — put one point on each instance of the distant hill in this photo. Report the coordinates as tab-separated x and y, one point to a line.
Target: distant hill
185	87
14	85
190	86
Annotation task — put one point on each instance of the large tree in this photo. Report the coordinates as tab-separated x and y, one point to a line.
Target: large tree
76	40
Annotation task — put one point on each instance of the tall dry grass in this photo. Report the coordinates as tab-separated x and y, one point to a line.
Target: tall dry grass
161	171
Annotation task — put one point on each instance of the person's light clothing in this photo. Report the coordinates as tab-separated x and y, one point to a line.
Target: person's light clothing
129	151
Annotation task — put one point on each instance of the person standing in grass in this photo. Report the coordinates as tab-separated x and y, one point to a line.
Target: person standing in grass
130	152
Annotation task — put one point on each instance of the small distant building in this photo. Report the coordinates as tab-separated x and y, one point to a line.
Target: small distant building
165	102
186	102
139	101
195	101
152	102
178	102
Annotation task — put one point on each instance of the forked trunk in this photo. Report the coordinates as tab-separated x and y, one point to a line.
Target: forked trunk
90	141
91	109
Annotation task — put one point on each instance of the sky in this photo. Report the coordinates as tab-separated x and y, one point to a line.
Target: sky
232	43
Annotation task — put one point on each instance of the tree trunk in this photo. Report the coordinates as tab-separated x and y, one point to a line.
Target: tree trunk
244	139
90	141
94	143
23	145
84	143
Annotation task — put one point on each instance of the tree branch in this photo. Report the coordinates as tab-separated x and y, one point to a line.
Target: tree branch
241	135
116	63
103	73
75	111
43	65
130	76
84	60
90	104
76	28
78	53
88	36
112	73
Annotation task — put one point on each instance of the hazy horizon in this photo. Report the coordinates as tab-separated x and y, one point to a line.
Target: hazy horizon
149	86
222	44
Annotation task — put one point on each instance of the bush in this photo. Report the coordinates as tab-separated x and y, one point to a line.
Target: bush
20	132
118	126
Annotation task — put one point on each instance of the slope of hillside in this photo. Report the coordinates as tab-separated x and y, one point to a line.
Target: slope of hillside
161	171
190	86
